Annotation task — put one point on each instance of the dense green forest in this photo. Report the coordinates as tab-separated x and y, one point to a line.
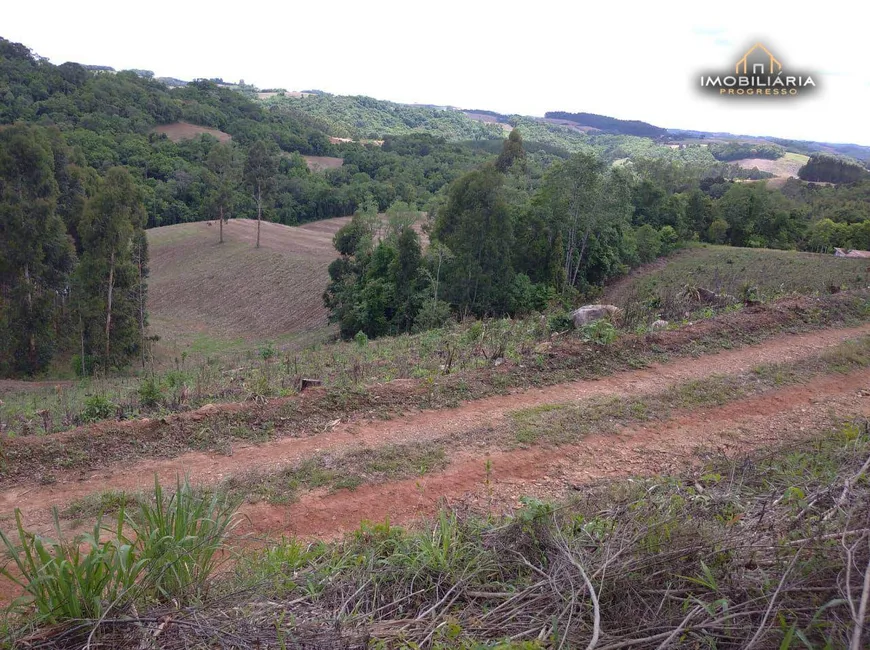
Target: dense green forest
109	119
506	241
739	150
361	117
832	169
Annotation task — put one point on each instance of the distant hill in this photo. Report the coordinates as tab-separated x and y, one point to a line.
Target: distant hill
610	124
807	147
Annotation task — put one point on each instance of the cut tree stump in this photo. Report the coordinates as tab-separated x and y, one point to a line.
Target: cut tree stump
308	383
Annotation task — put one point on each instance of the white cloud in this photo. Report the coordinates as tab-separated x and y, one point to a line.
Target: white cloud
630	60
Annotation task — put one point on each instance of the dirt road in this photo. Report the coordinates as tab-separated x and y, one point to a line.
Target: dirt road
599	456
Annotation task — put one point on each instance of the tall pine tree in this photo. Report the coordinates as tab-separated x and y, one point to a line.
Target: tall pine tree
36	254
110	277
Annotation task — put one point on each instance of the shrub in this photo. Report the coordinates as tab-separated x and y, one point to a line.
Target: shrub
600	332
267	352
98	407
649	243
560	322
432	315
361	339
151	392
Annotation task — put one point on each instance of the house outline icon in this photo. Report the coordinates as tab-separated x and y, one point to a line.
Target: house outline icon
775	65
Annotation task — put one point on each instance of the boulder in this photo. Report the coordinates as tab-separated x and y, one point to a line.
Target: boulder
591	313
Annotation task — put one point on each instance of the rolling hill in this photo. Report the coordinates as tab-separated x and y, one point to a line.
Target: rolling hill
201	292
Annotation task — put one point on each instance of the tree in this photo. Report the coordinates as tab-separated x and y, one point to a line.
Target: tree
649	243
589	205
475	226
405	274
109	280
261	167
512	152
36	254
222	166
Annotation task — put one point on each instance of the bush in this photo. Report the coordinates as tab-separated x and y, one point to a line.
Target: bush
98	407
560	322
361	339
432	315
600	332
151	392
267	352
79	369
649	243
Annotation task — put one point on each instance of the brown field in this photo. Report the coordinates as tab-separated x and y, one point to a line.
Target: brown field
231	291
178	131
785	167
319	163
488	119
570	124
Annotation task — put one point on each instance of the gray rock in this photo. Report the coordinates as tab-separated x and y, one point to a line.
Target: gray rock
591	313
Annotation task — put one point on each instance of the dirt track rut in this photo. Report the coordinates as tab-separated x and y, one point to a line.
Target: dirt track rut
209	468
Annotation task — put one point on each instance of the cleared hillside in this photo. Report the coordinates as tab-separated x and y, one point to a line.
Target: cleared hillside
200	288
658	289
785	167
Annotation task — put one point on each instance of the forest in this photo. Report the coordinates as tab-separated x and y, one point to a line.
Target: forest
507	240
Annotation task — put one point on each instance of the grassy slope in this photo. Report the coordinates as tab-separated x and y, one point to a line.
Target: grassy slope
728	270
203	293
785	167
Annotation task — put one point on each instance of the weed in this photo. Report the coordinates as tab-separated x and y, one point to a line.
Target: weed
98	407
179	537
74	579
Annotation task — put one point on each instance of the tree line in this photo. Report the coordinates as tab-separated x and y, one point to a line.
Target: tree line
73	258
507	238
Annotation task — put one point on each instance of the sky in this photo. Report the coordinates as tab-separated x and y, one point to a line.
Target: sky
624	59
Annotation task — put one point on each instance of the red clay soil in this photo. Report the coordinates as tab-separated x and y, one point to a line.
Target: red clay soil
208	468
551	472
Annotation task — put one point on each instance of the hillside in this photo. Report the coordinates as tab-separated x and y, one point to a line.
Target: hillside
201	291
759	274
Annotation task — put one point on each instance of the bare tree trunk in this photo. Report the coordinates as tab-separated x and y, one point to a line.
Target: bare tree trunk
109	301
31	339
141	308
222	225
82	329
259	211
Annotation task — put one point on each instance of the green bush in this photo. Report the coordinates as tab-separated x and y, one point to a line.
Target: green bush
98	407
151	392
361	339
560	322
267	352
432	315
600	332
